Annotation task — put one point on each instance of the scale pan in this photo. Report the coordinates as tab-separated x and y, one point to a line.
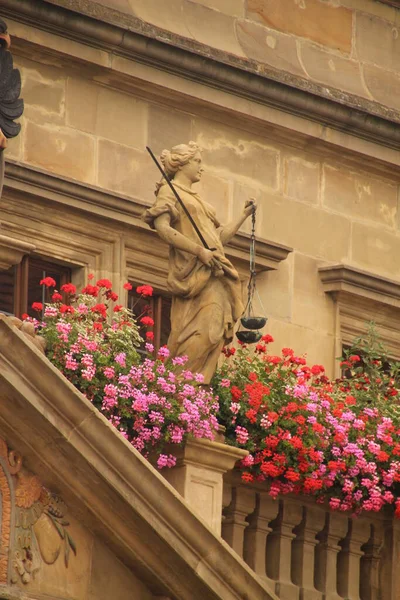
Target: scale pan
253	322
248	337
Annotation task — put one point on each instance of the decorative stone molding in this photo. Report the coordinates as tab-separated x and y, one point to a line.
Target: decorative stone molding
34	528
198	476
12	251
363	297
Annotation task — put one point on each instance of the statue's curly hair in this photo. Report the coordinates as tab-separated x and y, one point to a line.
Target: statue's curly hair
176	157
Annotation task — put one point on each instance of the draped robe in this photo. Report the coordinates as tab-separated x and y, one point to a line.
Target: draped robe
205	307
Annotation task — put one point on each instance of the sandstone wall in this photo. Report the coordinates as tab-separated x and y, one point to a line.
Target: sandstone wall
348	45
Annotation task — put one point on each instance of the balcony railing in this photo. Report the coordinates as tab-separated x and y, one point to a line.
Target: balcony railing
304	550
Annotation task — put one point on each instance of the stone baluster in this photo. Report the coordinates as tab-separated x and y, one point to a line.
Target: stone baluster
235	521
359	531
326	554
389	575
279	548
255	535
370	564
303	551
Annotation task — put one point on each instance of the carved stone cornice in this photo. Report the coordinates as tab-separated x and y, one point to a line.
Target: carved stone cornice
126	211
343	278
101	27
363	298
12	251
110	486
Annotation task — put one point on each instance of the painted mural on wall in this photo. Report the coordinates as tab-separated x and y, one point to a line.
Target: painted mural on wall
33	522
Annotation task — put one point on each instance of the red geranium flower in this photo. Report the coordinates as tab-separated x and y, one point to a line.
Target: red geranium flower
104	283
100	308
147	321
56	297
68	288
65	308
267	339
111	296
144	290
117	307
149	335
91	290
127	286
24	316
48	282
38	306
98	326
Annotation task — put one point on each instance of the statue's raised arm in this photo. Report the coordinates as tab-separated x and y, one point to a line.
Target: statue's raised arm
205	287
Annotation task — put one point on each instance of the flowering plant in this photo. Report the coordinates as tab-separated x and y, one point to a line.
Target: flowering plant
93	341
337	440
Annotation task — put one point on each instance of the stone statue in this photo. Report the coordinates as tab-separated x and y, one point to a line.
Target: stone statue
11	105
207	295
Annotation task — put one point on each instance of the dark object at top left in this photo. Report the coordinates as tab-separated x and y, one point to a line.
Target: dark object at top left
11	105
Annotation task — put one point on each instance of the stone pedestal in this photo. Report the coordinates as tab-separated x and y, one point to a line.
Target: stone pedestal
198	476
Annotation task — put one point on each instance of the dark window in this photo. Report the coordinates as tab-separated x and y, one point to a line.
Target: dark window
20	285
158	307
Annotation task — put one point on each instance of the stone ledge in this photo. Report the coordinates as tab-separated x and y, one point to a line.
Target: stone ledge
101	27
56	189
343	278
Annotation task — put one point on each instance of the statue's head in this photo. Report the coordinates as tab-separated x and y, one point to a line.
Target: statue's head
183	157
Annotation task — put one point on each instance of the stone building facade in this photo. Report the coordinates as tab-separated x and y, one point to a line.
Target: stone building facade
294	102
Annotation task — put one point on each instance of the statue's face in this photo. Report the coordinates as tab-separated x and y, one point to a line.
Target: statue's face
193	169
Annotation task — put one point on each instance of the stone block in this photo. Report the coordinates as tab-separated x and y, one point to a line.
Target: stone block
14	146
383	85
234	8
311	306
167	15
360	196
126	170
121	118
166	128
211	27
268	46
237	154
377	41
60	150
326	23
302	179
217	192
81	104
111	579
332	70
375	250
43	87
276	293
308	229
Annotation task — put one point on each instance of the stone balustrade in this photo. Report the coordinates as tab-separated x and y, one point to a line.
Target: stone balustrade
303	550
308	552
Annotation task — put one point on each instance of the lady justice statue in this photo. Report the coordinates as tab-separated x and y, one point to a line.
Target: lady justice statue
206	291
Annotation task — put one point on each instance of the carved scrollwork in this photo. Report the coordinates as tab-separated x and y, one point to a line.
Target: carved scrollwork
40	526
